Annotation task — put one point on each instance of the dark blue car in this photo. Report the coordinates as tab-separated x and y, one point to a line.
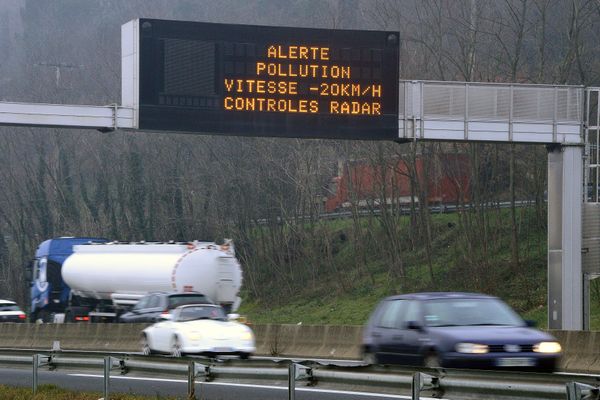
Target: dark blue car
456	330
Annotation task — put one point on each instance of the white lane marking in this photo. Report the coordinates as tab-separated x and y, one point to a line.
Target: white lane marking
365	394
576	374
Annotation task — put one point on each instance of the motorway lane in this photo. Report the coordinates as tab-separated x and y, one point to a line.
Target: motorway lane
177	387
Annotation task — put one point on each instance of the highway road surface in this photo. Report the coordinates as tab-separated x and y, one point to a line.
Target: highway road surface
177	387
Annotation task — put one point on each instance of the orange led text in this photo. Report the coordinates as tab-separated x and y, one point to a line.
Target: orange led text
298	52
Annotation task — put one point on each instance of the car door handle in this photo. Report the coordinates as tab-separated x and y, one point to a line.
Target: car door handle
397	337
376	334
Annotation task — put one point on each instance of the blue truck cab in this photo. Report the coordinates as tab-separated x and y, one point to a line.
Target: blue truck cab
49	293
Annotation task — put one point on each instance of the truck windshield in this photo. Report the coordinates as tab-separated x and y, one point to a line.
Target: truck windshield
41	269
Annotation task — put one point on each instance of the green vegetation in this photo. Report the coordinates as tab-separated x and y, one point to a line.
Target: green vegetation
52	392
352	268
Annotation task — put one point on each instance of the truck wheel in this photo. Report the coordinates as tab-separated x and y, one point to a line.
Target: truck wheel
33	316
44	316
176	347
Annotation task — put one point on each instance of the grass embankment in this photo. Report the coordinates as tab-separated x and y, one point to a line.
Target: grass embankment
461	260
52	392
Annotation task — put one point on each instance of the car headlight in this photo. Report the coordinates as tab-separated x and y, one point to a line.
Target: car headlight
547	347
246	335
472	348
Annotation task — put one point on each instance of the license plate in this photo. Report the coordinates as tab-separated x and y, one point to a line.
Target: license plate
223	349
515	362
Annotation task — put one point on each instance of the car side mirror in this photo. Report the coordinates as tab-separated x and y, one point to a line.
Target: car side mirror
414	325
233	317
530	323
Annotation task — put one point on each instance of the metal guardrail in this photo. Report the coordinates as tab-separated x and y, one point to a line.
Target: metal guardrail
450	383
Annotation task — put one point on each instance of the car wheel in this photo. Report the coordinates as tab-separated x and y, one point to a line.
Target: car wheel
369	358
244	356
432	360
146	350
176	347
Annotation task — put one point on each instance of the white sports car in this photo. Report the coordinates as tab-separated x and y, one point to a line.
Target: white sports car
198	329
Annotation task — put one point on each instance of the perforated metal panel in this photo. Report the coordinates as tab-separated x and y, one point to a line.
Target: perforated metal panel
489	102
443	101
491	112
592	150
591	238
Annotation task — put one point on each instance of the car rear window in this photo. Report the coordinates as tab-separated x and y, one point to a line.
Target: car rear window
201	312
9	307
179	300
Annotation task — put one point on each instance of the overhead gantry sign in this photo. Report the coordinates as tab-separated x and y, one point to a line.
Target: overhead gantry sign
261	81
315	83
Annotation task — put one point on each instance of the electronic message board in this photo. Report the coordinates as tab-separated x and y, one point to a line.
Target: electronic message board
267	81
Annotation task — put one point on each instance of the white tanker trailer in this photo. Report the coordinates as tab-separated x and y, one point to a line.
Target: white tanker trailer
100	279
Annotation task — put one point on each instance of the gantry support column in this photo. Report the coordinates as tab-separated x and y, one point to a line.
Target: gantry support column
565	198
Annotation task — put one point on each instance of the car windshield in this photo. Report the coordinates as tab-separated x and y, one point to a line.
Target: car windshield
179	300
469	312
201	312
9	307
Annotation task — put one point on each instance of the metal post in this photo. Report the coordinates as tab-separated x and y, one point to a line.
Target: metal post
466	111
421	114
107	365
586	302
36	363
580	391
416	386
511	113
572	237
554	114
554	237
292	381
191	380
421	382
565	199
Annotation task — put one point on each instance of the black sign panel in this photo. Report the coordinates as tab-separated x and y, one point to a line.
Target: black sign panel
268	81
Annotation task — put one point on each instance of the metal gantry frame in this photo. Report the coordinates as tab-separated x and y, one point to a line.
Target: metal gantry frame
449	111
519	113
592	148
591	198
491	112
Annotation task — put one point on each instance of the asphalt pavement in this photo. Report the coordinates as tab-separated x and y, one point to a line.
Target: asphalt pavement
177	387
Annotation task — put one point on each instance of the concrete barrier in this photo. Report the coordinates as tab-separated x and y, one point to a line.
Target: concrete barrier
271	340
323	341
581	350
267	339
343	341
77	336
